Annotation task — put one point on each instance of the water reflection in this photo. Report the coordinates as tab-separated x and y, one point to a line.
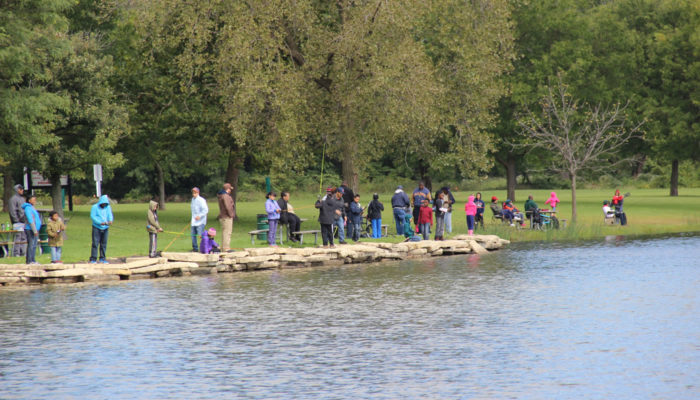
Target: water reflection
593	320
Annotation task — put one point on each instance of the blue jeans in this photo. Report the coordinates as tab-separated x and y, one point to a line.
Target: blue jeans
377	228
448	222
32	241
356	230
399	215
425	230
55	253
272	233
197	230
351	230
340	222
99	238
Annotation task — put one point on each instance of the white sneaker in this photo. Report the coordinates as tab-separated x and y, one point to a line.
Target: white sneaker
512	224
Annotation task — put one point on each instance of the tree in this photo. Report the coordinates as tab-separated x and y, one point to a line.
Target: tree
581	140
31	37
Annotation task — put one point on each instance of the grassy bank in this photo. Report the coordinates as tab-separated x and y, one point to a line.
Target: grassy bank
649	211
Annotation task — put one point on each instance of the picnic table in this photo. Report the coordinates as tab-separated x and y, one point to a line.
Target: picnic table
7	241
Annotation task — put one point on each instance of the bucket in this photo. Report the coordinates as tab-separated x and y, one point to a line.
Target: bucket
262	224
44	240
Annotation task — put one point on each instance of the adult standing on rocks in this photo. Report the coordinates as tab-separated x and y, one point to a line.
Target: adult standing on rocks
329	208
421	193
199	209
17	220
31	228
227	212
400	204
102	217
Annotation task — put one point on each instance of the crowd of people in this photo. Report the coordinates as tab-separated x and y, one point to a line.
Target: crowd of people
340	212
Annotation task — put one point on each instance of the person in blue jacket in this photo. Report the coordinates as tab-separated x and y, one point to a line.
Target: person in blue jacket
356	217
31	228
102	218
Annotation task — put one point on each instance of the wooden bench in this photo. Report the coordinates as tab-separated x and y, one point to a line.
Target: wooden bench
302	233
255	232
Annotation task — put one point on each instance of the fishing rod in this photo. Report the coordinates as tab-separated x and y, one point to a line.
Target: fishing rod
323	161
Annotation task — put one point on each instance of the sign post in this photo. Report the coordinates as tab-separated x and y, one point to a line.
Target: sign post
97	173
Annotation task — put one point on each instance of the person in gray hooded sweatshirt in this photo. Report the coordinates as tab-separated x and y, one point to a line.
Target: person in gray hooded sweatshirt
17	219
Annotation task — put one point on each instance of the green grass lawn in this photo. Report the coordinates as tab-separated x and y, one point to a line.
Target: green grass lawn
649	211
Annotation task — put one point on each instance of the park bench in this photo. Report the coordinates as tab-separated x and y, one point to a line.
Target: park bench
302	233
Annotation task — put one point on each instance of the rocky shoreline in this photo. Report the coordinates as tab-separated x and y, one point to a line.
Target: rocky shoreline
184	264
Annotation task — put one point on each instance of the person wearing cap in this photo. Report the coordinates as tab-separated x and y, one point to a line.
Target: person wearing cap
209	245
400	204
497	211
227	212
421	193
199	209
607	210
17	220
341	217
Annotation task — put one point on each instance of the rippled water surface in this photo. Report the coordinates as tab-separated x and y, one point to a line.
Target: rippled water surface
616	319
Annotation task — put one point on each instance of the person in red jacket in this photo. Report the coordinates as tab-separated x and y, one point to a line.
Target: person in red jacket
425	219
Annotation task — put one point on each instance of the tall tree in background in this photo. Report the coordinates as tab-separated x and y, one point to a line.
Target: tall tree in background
32	36
581	138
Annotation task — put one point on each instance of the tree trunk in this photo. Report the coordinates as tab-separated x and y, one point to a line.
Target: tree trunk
56	198
640	166
8	191
573	198
232	173
350	174
161	186
674	178
510	176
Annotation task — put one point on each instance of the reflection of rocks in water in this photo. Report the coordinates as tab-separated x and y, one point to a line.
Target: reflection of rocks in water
615	238
183	264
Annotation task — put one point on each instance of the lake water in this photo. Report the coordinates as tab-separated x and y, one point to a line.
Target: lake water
614	319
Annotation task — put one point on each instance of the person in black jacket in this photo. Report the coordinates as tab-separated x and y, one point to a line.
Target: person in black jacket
286	217
374	214
348	197
329	208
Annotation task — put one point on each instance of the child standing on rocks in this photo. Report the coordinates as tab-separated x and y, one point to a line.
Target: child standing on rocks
425	219
470	210
55	229
153	228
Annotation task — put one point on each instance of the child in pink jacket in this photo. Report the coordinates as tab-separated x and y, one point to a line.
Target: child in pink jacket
553	200
470	210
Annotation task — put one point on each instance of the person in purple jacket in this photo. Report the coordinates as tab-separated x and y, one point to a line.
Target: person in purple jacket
208	244
273	218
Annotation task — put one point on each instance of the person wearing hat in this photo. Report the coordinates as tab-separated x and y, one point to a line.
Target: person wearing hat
199	210
209	245
497	211
227	212
17	220
608	211
400	204
102	218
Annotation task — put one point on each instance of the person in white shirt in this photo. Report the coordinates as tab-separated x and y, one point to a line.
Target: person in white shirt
199	217
607	210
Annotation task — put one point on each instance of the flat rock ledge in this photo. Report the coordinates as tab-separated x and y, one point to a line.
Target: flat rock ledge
184	264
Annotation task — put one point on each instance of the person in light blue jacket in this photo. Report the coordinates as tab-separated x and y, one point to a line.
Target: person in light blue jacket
31	228
102	217
199	209
273	218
